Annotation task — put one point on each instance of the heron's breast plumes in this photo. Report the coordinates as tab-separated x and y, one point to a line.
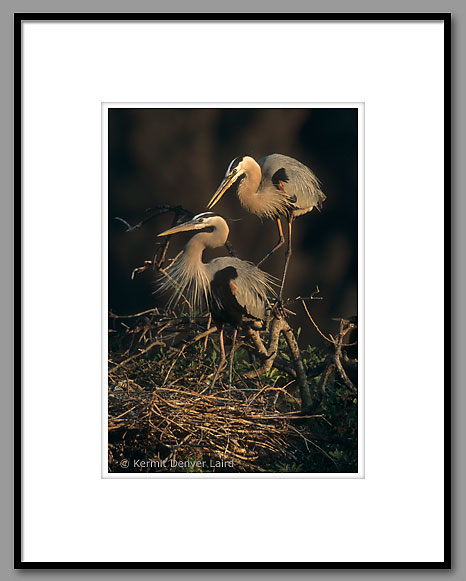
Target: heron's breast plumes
189	282
266	203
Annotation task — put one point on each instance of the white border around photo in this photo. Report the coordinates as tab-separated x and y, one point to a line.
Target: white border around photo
395	513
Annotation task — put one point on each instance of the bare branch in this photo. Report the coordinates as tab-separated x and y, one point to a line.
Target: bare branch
338	355
306	399
157	211
312	321
154	344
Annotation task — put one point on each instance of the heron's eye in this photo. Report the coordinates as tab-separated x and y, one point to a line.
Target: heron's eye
233	167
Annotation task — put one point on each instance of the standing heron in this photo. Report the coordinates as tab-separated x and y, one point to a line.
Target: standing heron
275	186
234	290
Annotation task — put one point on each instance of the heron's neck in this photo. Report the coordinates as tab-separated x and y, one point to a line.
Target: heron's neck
194	249
247	189
192	255
189	274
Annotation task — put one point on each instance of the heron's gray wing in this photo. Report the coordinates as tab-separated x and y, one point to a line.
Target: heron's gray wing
250	287
299	183
224	306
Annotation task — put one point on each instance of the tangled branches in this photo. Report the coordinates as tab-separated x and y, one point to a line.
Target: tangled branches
218	430
161	405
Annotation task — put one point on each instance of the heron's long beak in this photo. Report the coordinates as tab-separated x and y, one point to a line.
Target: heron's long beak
228	181
191	225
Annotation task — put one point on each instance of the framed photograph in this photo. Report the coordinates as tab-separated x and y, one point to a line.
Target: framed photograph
230	262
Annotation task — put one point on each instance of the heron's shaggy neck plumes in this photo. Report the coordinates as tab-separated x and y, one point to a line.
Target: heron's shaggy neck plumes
267	203
188	276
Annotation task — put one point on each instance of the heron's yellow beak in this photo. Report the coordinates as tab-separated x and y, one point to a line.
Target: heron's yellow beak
191	225
228	181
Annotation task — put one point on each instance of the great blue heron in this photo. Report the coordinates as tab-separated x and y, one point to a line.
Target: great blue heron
234	290
275	186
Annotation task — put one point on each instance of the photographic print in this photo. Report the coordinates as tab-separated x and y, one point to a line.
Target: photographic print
227	273
232	289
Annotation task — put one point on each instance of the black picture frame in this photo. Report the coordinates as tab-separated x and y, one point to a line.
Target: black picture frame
19	18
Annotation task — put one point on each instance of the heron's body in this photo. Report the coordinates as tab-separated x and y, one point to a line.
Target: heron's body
234	290
279	186
275	186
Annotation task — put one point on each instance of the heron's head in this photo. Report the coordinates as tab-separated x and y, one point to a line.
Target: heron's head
237	168
209	223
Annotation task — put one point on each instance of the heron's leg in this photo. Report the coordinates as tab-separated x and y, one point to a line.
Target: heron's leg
222	358
288	254
281	241
232	354
222	348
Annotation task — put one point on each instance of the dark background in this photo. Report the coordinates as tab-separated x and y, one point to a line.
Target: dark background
179	156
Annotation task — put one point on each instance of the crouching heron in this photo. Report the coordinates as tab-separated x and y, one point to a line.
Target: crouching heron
235	291
275	186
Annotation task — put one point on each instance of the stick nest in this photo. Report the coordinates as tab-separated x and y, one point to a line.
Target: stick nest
163	416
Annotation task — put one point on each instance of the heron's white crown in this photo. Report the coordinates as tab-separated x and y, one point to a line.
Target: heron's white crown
239	166
234	164
204	215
